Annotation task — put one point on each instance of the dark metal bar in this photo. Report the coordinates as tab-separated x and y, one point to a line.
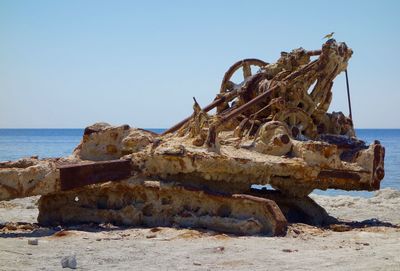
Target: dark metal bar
348	95
78	175
338	174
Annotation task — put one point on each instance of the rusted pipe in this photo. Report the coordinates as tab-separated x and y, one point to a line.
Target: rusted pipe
212	105
246	106
225	98
314	52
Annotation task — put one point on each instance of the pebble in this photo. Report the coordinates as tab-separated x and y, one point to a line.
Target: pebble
69	262
196	263
219	249
289	250
151	236
33	242
340	227
11	226
362	243
156	229
27	227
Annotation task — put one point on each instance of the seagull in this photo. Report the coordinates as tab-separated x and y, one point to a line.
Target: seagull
329	35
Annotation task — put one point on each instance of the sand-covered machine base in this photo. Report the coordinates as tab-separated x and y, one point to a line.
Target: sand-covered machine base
151	204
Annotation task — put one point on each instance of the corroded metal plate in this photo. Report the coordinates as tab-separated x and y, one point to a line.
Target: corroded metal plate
78	175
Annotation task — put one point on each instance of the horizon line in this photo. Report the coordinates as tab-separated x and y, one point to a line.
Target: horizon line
75	128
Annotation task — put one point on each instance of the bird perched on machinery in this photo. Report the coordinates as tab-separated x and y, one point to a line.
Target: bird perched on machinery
328	36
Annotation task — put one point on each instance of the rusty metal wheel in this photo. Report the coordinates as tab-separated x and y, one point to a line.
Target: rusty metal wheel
299	122
245	65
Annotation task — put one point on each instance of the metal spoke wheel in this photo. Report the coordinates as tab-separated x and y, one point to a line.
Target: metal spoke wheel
245	65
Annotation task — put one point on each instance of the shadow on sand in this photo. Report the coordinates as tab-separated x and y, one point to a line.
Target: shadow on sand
34	230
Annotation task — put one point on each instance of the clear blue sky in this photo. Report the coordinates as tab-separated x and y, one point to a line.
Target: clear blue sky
73	63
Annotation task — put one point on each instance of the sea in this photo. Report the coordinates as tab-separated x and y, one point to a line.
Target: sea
18	143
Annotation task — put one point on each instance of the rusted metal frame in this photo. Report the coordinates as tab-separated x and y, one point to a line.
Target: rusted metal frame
274	101
266	94
248	105
343	142
338	174
233	94
78	175
212	131
219	100
306	69
214	104
254	116
253	102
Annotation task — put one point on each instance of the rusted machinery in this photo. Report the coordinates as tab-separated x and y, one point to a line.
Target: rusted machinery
272	128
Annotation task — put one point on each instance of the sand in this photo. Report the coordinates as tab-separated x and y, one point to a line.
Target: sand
370	242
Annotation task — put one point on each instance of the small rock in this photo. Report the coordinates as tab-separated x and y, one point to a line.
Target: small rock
89	248
33	242
340	227
289	250
58	228
156	229
69	262
362	243
28	227
151	236
296	231
196	263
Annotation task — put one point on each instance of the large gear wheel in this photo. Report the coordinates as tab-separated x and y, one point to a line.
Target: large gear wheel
299	122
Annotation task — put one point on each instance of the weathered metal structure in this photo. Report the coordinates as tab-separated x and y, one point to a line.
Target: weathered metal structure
273	127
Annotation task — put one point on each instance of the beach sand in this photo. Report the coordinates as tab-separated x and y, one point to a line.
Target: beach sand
370	242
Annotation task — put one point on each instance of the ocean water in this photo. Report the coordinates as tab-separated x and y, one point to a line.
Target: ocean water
18	143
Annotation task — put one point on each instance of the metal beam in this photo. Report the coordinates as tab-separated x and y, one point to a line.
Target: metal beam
78	175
